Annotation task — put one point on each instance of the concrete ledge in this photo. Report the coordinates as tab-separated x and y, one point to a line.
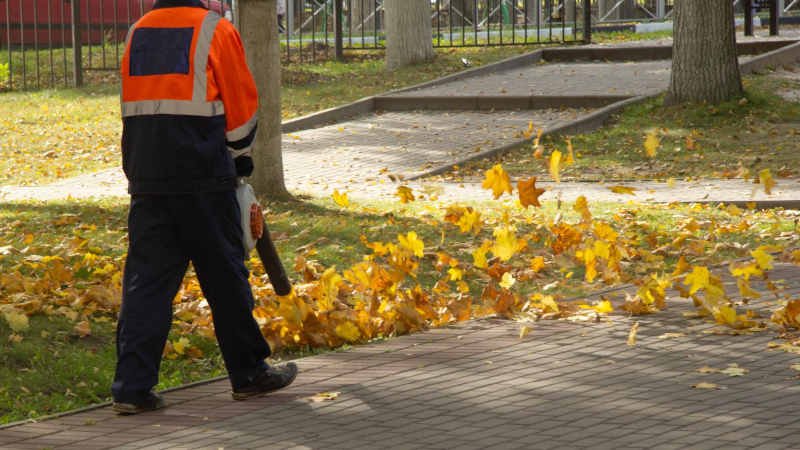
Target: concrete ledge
491	102
759	204
331	115
590	122
648	53
783	56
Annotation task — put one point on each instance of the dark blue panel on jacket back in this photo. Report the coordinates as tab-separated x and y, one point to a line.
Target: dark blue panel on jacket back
160	51
168	154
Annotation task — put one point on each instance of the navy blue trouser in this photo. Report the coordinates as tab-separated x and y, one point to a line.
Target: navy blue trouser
166	232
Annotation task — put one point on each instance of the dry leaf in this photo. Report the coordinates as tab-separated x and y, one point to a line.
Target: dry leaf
525	329
733	370
324	397
632	334
705	385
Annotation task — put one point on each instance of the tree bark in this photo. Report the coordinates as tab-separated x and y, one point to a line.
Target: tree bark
704	63
259	30
409	39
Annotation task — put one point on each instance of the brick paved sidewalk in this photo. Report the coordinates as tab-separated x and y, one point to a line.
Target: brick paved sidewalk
478	385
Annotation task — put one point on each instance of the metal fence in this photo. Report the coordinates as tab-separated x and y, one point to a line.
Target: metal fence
37	37
309	25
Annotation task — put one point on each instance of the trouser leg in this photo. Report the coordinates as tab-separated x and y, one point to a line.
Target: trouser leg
154	269
213	239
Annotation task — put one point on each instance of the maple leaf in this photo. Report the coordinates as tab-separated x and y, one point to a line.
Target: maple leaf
180	345
479	255
581	206
528	193
82	328
537	264
412	242
507	281
570	160
470	221
763	259
555	166
651	143
348	331
789	315
765	176
627	190
733	370
405	194
325	397
455	274
705	385
506	243
632	334
17	320
698	279
498	181
603	307
340	198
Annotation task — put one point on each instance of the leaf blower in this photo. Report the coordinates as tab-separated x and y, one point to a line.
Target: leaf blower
256	235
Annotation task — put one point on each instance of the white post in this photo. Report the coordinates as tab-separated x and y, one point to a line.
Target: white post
661	8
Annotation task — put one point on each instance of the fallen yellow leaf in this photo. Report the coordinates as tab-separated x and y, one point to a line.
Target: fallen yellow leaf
627	190
705	385
632	334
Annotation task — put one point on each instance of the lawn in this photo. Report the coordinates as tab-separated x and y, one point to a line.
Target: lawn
736	139
77	131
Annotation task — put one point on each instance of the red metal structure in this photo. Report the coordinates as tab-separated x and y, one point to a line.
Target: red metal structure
47	23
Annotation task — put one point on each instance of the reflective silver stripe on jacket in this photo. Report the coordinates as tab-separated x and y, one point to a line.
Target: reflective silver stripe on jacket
197	106
242	131
175	107
247	151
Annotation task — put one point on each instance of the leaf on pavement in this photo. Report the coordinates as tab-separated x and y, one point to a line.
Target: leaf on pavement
705	385
632	334
707	369
324	397
525	329
733	370
765	176
405	194
622	190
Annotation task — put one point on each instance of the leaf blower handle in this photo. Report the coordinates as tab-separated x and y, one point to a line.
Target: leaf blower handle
272	264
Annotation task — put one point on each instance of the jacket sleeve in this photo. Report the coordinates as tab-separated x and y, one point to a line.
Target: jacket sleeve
238	93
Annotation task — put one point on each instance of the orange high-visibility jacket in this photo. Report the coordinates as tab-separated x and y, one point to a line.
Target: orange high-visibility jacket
189	102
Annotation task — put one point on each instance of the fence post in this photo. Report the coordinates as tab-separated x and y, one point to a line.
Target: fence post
774	17
338	31
587	21
77	69
748	17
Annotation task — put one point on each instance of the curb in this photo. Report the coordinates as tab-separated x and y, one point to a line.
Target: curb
588	123
493	102
103	405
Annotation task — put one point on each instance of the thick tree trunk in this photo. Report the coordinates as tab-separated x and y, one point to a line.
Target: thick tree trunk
259	29
704	63
409	39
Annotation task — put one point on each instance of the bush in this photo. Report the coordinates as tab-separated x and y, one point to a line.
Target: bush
5	77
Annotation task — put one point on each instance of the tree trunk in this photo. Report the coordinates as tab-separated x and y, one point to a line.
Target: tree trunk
704	63
259	29
409	38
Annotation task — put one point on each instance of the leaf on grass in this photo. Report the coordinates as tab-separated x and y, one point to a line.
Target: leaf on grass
651	143
405	194
581	206
622	190
340	198
507	281
632	334
82	328
412	242
528	193
17	320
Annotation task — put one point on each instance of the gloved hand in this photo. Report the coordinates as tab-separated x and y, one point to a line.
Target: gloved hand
244	166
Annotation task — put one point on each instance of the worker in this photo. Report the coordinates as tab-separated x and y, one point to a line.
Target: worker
189	106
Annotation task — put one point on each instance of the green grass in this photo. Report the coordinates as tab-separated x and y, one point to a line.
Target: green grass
743	136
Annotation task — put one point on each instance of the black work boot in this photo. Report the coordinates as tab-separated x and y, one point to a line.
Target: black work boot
151	402
268	381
